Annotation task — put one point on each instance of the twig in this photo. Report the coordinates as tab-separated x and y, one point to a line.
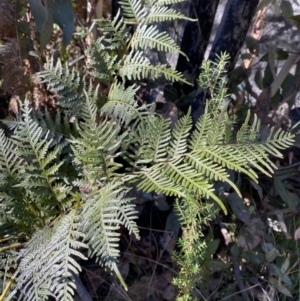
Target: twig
230	296
7	288
76	60
12	246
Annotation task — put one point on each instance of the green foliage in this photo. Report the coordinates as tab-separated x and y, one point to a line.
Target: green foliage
192	246
67	84
69	198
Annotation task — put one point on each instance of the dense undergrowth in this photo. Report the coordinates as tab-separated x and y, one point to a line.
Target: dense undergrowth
68	203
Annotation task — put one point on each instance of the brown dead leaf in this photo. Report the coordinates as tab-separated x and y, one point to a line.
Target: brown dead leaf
263	103
170	111
15	105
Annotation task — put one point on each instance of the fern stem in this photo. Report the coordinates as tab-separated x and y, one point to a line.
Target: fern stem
6	239
7	288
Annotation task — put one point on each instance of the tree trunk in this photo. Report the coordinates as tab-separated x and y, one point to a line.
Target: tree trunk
196	36
233	29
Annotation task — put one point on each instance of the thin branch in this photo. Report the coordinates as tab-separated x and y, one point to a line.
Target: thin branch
12	247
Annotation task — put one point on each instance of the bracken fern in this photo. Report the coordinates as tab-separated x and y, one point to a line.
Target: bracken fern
62	196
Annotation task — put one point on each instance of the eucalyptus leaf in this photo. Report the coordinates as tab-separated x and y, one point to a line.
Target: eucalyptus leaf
43	16
64	17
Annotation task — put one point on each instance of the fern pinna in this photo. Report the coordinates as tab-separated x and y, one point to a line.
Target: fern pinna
62	196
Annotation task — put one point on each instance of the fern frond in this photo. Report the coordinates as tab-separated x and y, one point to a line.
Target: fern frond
156	146
115	32
150	37
122	105
97	145
165	2
133	11
212	129
257	148
102	65
279	139
200	135
183	174
135	142
137	66
57	127
10	163
161	14
248	133
176	178
128	215
28	271
39	172
50	271
153	179
211	170
180	133
102	214
68	84
227	156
